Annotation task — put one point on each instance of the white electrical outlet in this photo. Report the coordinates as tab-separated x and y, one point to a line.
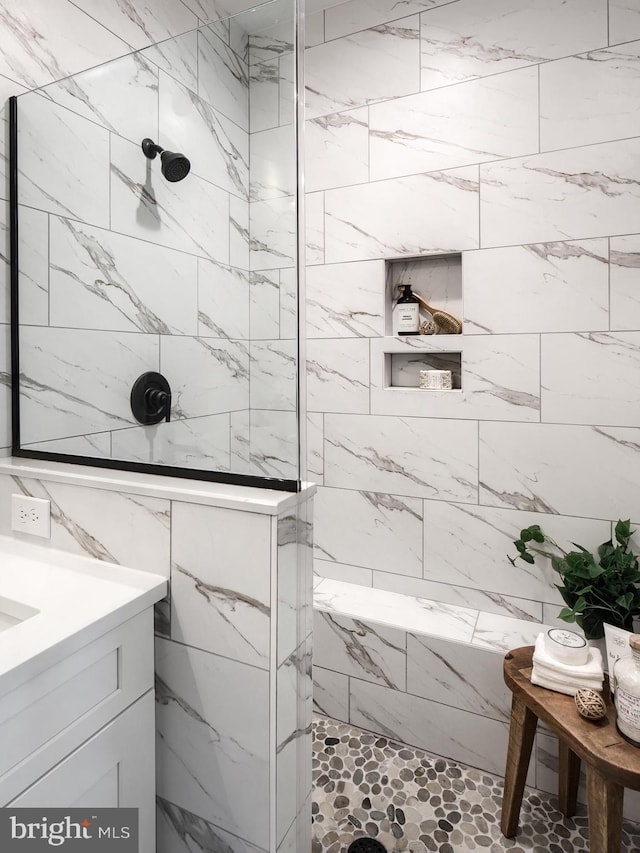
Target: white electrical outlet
31	515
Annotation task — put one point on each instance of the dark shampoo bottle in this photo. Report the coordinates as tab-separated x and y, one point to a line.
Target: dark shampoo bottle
407	312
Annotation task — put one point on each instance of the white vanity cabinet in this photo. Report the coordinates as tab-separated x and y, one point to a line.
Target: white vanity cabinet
77	719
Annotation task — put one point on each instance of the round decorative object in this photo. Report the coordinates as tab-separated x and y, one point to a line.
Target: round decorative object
428	327
590	704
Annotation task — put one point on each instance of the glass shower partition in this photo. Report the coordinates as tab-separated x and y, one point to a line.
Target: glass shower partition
132	264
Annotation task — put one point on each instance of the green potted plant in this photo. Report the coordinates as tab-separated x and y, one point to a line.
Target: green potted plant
597	589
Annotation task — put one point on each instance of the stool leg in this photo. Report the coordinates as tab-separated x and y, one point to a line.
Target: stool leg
522	731
604	799
569	770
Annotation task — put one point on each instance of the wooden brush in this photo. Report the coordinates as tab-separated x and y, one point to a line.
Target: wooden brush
449	324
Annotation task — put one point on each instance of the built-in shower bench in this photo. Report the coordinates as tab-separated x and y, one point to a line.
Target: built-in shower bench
426	673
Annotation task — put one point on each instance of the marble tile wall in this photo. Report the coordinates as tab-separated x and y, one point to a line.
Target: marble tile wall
505	131
233	652
110	247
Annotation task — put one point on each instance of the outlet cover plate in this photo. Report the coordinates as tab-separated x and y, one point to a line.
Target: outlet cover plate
31	515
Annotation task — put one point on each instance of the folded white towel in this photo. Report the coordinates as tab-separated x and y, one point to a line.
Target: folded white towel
568	683
591	669
557	688
583	680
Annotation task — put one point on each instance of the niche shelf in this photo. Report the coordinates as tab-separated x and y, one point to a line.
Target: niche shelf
402	369
437	278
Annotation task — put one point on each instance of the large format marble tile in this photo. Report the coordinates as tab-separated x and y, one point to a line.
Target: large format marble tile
121	96
468	39
542	287
375	653
239	232
220	594
223	78
273	228
383	532
177	57
446	593
264	304
345	300
338	375
221	368
191	215
63	161
435	212
130	530
273	163
457	675
274	372
582	192
314	227
624	291
213	742
473	122
336	149
147	22
388	609
315	451
342	572
589	98
103	280
355	15
273	40
33	252
500	377
588	379
478	560
372	65
181	831
438	729
264	95
60	394
44	42
288	102
201	443
223	300
274	444
331	693
624	21
289	287
94	444
402	456
214	10
557	468
217	148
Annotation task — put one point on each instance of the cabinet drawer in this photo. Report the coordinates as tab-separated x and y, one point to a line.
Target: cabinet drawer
49	716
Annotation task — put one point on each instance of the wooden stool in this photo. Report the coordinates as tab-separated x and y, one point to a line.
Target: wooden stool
612	764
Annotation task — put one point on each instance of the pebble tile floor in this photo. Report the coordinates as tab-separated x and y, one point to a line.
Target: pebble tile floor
368	786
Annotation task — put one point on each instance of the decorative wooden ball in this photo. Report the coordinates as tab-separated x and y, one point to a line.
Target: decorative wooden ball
590	704
428	327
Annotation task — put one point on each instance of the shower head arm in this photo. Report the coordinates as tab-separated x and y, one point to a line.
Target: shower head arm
150	148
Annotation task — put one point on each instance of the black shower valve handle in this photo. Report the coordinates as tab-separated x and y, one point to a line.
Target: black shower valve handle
158	400
151	399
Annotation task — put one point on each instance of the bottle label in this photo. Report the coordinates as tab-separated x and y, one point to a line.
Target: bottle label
408	318
628	708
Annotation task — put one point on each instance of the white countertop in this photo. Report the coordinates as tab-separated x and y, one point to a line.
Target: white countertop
77	598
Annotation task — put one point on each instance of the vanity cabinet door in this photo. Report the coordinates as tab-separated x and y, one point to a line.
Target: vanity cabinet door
116	767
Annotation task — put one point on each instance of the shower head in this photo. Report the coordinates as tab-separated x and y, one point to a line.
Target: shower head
174	167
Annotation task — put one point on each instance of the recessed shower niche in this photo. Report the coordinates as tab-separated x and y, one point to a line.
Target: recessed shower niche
166	258
437	281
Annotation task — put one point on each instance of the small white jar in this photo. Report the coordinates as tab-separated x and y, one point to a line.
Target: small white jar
627	697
